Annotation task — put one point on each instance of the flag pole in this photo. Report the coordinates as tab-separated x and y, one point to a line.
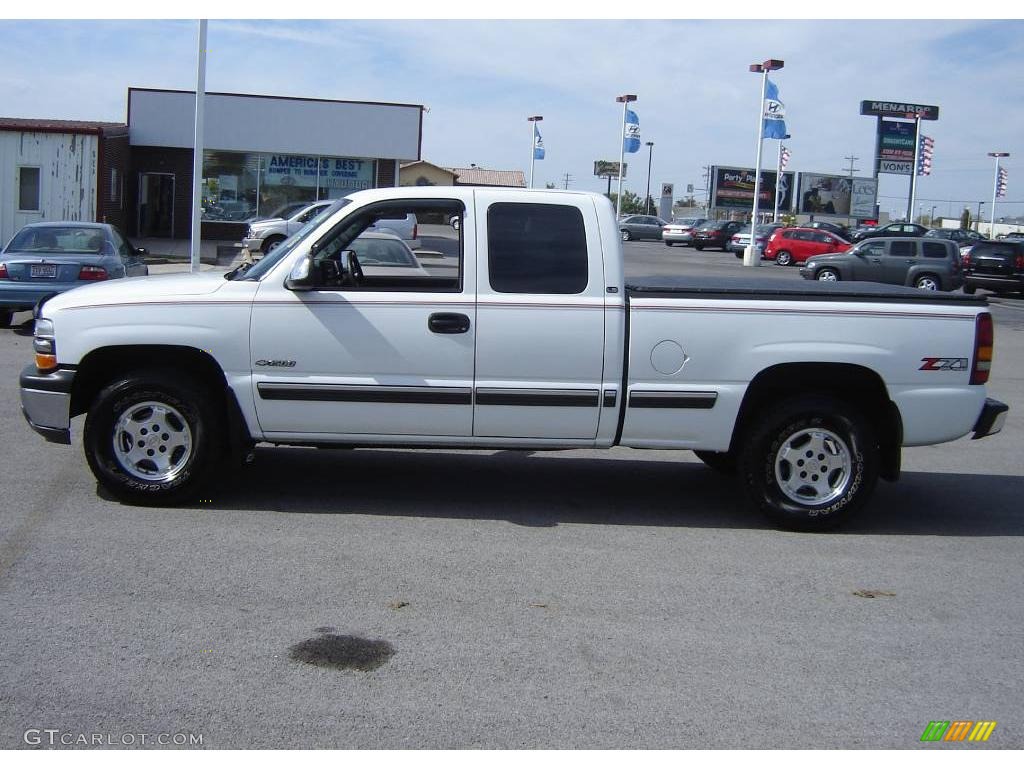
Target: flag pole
913	171
197	150
622	159
995	194
751	257
533	120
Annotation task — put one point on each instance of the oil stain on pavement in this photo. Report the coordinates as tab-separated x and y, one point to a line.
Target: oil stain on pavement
342	651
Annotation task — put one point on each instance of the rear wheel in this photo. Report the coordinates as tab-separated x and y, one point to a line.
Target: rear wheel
827	275
927	283
783	258
6	316
969	290
699	246
626	235
720	461
154	437
809	463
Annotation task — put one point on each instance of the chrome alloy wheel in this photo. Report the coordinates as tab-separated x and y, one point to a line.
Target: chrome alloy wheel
152	441
813	466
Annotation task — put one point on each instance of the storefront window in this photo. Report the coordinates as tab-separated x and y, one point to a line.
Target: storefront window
241	186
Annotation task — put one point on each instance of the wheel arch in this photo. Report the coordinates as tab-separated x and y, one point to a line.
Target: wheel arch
856	384
103	365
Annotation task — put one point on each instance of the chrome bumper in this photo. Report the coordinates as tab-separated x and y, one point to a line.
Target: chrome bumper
991	420
46	402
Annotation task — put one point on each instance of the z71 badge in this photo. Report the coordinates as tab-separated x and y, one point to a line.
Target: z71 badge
943	364
276	363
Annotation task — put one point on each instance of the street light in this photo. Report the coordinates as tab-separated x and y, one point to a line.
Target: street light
625	99
752	256
533	142
650	157
995	193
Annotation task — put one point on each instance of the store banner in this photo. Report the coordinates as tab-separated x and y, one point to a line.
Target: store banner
832	195
734	188
896	143
339	173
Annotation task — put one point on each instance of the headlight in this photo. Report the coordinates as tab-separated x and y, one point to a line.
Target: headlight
810	265
45	345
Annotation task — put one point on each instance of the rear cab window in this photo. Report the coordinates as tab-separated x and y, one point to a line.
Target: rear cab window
536	248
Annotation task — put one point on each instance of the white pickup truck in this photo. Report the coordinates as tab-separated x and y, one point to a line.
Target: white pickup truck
528	339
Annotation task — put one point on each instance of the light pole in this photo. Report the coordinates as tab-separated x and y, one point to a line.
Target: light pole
625	99
650	157
197	151
533	142
917	159
931	219
995	193
752	256
778	184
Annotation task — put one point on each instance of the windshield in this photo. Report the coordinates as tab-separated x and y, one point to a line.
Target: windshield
268	262
59	240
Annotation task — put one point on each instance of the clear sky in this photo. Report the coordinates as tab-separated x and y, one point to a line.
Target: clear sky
481	80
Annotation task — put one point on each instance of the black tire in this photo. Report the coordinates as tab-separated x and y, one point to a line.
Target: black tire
969	290
271	243
928	283
723	462
827	275
626	235
669	244
6	316
783	258
699	246
202	414
775	439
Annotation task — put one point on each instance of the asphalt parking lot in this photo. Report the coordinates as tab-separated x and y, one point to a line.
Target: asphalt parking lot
581	599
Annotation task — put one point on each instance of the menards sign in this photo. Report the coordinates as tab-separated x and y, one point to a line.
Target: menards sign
899	109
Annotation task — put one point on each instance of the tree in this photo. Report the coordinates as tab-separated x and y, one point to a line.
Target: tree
549	185
631	202
965	219
687	202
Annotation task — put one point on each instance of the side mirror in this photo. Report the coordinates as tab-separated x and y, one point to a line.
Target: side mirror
302	277
455	222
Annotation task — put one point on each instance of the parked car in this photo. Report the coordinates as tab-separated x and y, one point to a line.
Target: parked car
828	226
1007	236
268	234
922	262
284	211
680	231
960	236
795	245
997	265
715	234
738	243
896	229
178	376
47	258
640	227
381	254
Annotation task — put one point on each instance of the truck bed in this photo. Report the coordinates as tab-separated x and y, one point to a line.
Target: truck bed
762	290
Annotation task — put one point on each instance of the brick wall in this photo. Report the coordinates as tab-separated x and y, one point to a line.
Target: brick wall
163	160
112	183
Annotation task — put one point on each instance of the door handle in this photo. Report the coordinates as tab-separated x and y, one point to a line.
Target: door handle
877	261
448	322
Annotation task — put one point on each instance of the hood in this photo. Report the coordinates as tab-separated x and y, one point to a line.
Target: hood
264	223
139	289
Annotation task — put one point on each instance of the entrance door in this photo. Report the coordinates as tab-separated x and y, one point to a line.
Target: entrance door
156	204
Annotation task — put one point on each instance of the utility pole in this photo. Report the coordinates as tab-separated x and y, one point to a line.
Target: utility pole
851	170
566	178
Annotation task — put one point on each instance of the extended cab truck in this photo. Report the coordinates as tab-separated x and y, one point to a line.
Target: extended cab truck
807	392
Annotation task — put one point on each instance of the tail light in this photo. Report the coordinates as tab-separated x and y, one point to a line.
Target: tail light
3	272
88	272
1019	261
965	258
984	338
415	231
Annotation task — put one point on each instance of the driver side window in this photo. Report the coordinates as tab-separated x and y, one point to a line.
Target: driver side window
400	245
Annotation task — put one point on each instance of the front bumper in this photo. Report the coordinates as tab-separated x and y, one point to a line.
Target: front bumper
253	243
46	402
991	420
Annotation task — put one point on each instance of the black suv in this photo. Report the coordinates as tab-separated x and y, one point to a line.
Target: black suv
961	236
997	265
715	234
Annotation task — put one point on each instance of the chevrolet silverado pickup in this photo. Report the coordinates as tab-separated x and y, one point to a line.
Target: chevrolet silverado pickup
523	335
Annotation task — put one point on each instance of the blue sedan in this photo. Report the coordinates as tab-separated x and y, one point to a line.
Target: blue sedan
55	256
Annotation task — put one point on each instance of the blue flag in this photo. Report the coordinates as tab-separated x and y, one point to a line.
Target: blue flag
631	139
774	114
538	144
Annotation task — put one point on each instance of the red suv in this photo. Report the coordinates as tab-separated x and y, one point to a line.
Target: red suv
798	244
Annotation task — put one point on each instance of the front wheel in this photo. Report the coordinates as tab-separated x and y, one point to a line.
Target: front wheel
783	258
809	463
626	236
154	437
271	243
927	283
969	290
827	275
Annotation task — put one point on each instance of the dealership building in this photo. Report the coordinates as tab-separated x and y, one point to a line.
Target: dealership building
261	153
